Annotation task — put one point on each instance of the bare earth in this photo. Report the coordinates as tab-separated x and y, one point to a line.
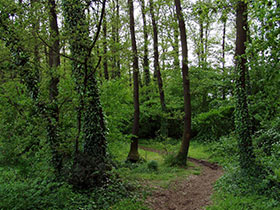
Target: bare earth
191	194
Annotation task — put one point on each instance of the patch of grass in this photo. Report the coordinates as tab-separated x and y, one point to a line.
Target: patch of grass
233	202
200	151
142	172
128	204
197	149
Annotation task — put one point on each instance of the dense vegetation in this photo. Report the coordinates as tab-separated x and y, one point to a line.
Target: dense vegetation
84	83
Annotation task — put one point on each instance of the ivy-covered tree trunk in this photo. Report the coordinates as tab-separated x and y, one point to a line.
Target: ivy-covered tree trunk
133	154
183	152
242	117
54	63
163	128
90	166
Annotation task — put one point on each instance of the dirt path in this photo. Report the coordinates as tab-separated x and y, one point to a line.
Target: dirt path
191	194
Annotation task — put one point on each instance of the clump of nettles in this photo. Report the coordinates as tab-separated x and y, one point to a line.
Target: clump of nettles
153	165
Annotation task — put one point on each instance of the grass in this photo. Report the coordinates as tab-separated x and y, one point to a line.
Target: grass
227	201
141	172
128	204
196	150
164	175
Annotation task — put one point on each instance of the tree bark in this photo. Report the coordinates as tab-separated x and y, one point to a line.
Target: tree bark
133	155
183	152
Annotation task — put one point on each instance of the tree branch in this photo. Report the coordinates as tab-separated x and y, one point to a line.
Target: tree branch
61	54
98	28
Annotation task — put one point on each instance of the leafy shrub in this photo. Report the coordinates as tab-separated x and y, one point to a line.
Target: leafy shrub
269	136
210	126
42	191
225	150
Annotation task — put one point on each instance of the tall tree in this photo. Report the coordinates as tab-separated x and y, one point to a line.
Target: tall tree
54	63
90	166
133	154
183	152
242	118
164	128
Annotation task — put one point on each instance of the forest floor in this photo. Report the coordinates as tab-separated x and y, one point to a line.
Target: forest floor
193	193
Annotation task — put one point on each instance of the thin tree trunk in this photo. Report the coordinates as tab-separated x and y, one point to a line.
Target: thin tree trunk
118	40
200	51
105	60
164	130
146	43
176	61
133	155
183	152
223	56
115	38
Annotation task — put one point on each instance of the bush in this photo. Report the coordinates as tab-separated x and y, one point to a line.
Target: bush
210	126
268	137
225	150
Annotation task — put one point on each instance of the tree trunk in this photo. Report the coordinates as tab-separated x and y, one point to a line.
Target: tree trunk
223	56
105	60
183	152
146	44
115	37
133	155
164	131
54	63
90	167
175	45
242	120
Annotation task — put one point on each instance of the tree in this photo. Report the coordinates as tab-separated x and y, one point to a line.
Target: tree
90	166
133	154
54	63
164	129
146	43
105	60
242	117
183	152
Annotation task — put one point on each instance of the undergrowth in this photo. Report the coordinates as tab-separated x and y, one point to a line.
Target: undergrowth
235	190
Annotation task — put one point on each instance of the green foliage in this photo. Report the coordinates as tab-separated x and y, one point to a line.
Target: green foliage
268	137
225	150
116	99
129	204
153	165
258	189
43	192
252	202
210	126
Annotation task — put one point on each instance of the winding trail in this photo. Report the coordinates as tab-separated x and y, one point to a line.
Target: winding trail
193	193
